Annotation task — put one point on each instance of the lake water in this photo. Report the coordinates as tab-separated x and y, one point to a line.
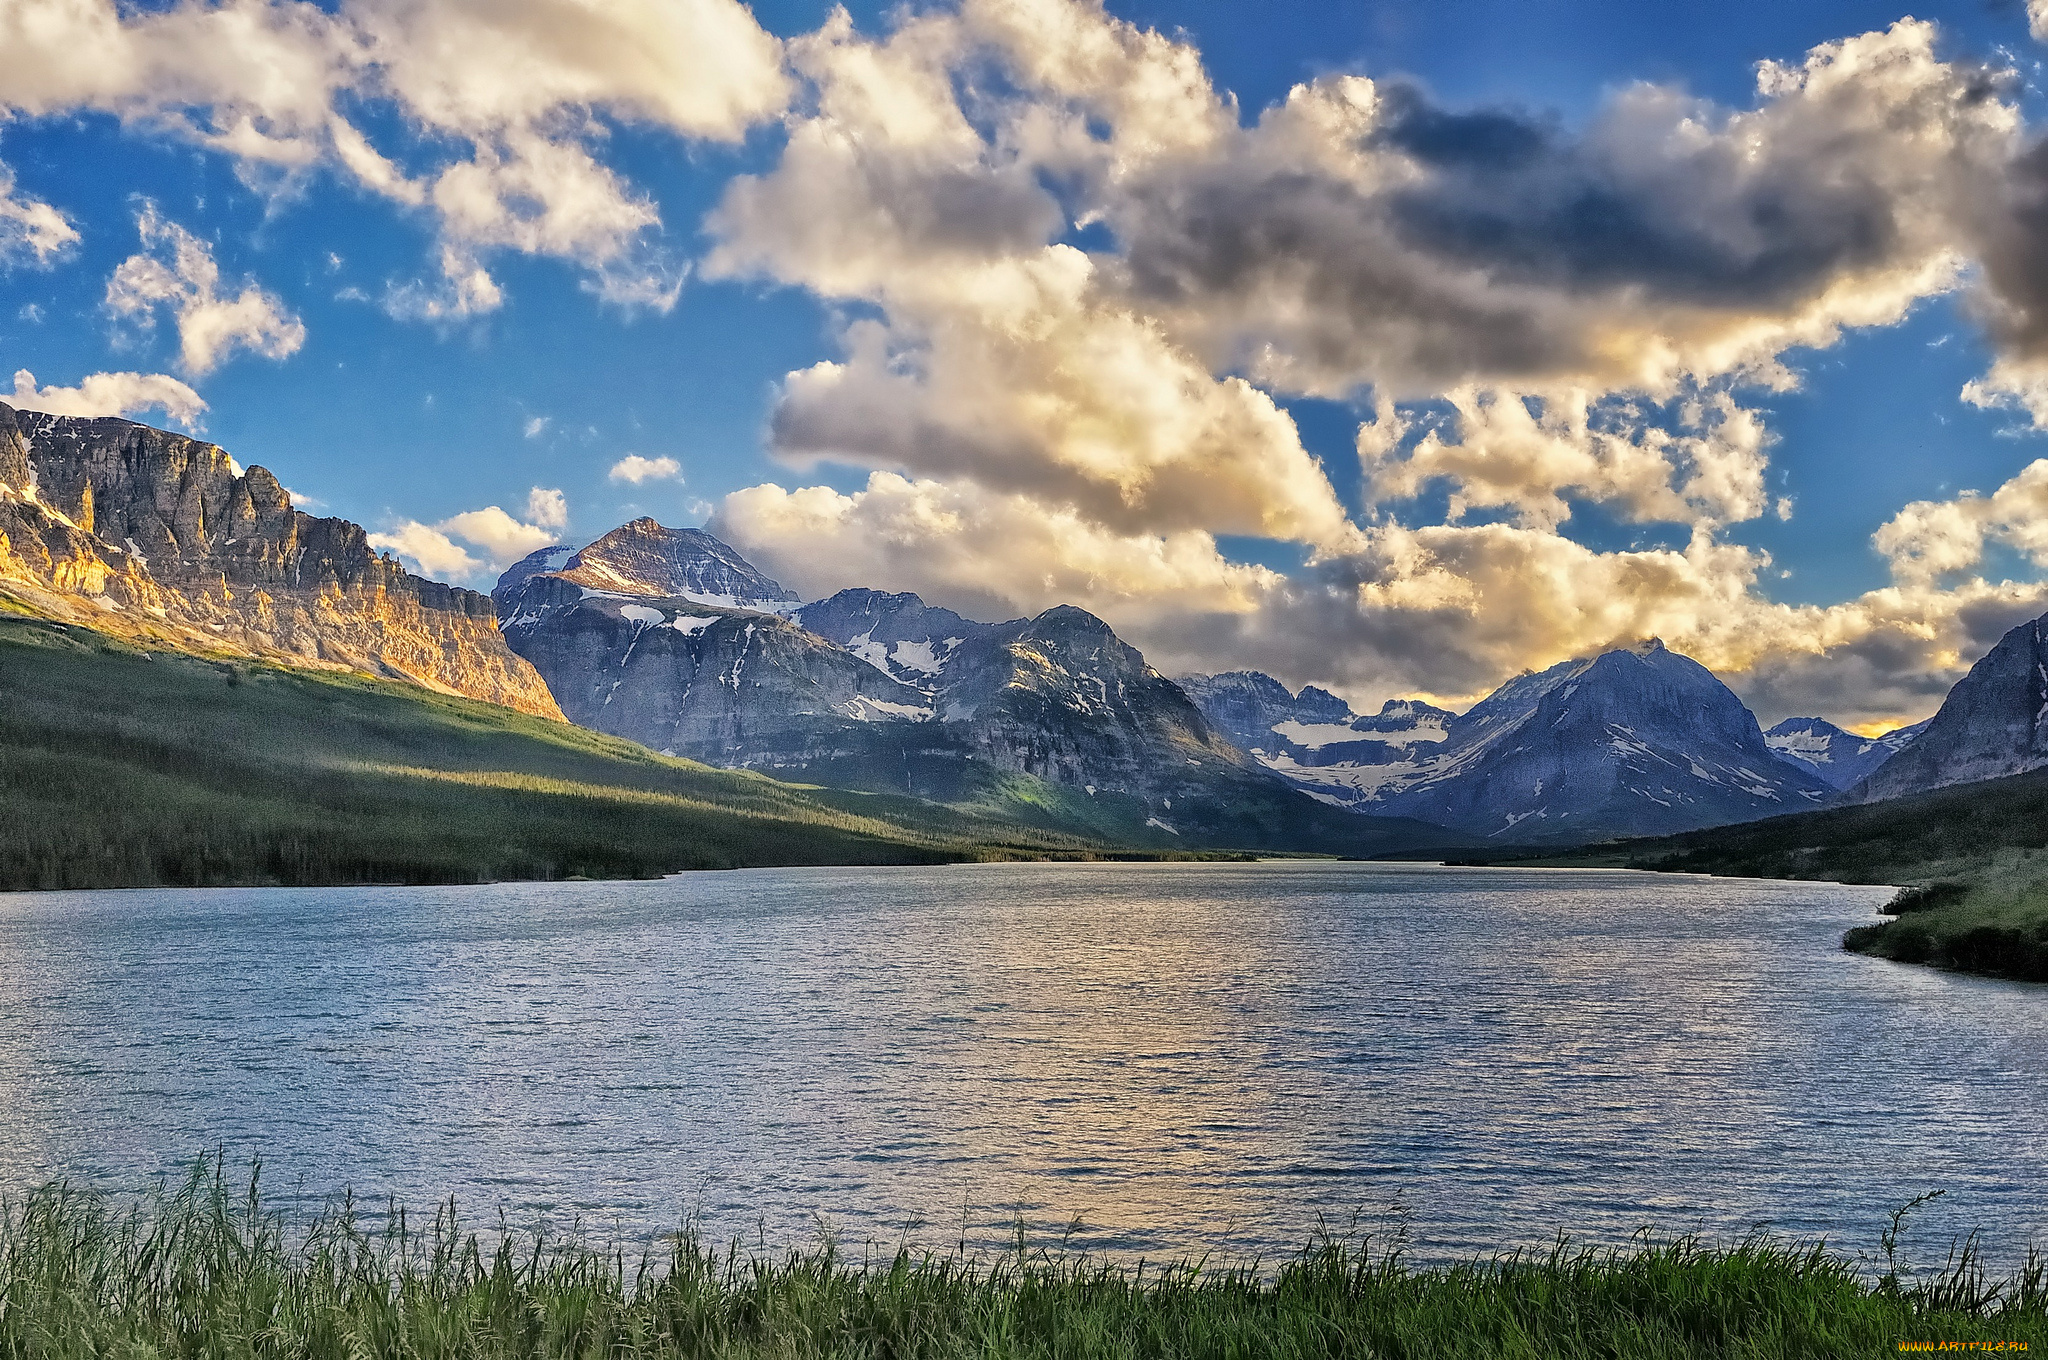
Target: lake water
1181	1057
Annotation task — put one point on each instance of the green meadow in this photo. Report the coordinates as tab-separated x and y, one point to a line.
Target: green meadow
205	1272
129	769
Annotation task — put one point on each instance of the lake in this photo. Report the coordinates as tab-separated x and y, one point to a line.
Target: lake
1179	1057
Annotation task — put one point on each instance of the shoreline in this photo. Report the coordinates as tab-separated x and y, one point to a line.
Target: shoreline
207	1266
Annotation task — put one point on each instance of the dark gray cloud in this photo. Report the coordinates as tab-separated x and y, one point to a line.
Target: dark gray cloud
1400	242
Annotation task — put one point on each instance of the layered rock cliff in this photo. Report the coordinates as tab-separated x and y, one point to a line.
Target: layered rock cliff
164	540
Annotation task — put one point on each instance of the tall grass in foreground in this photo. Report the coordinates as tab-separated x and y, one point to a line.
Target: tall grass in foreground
206	1272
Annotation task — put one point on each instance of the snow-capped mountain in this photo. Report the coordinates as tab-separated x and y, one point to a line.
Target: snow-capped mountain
726	686
1250	707
1637	741
1314	740
1993	723
882	692
646	557
901	634
1841	758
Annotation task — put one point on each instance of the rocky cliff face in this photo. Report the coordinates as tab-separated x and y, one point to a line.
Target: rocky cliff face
1841	758
729	687
1247	706
1313	739
1993	723
164	540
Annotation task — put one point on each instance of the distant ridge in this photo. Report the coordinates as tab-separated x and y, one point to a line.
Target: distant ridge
1841	758
1635	741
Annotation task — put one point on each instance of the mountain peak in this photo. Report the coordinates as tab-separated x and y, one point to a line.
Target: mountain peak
1993	723
646	557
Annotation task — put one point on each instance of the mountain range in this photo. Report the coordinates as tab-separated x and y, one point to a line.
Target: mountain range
670	638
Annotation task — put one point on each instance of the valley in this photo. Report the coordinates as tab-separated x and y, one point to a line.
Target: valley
273	701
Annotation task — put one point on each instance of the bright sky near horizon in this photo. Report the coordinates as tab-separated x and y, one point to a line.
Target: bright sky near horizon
1393	347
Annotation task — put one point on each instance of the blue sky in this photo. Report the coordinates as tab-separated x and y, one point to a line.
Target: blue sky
392	419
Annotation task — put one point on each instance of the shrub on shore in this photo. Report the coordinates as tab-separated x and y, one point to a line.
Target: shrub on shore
202	1271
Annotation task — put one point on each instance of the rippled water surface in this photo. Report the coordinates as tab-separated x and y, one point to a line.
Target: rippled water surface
1180	1056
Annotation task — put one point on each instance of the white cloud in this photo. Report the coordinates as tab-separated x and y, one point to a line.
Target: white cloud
177	270
548	508
992	554
536	426
31	231
1527	451
111	394
466	289
501	538
1043	422
502	101
1927	540
635	469
1048	422
432	553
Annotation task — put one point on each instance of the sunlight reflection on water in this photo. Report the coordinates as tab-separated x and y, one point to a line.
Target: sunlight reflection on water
1184	1057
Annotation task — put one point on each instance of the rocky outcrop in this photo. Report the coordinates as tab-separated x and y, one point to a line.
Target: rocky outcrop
1993	723
163	540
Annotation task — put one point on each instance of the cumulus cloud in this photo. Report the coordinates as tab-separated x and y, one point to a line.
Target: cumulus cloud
1927	540
1525	452
501	101
636	469
995	555
31	231
548	508
111	394
176	271
1537	315
500	537
1080	285
431	552
465	289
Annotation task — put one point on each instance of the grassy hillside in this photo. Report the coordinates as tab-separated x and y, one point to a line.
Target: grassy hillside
121	768
1974	859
